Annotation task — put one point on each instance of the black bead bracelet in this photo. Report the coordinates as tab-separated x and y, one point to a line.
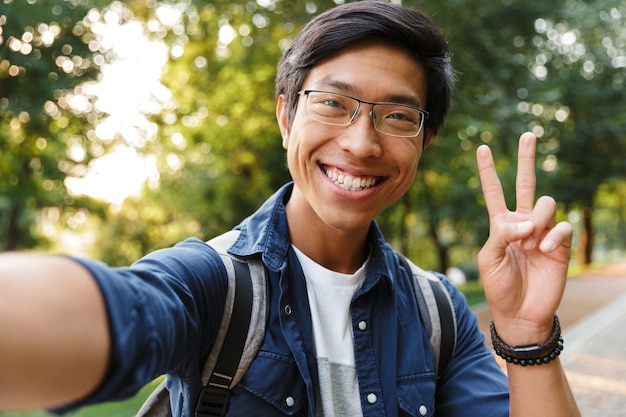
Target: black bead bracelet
537	354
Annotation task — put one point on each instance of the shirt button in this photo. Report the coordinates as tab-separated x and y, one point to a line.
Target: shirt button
362	325
423	410
371	398
288	310
290	401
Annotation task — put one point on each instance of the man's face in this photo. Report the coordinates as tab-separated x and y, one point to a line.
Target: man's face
322	156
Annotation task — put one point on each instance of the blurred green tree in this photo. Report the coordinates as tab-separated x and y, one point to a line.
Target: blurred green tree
43	57
580	63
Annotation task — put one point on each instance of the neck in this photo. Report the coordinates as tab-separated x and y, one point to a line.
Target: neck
339	256
338	250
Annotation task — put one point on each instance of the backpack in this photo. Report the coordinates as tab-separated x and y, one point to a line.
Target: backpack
246	308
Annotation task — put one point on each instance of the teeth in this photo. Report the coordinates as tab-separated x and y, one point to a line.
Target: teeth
348	182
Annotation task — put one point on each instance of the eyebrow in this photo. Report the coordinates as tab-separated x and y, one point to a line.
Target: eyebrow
349	89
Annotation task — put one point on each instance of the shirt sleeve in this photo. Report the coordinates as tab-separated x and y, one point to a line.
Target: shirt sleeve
473	383
164	313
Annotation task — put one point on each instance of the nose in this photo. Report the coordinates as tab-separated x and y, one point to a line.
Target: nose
360	138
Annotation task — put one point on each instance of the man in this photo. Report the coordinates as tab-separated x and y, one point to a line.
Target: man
360	94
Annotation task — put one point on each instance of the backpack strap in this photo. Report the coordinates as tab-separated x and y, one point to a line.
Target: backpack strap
215	396
436	311
234	349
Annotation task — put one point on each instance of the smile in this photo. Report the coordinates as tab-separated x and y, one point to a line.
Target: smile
350	182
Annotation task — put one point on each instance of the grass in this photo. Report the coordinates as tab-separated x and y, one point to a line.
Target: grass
473	291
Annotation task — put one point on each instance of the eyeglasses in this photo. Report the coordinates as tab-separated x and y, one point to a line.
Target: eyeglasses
393	119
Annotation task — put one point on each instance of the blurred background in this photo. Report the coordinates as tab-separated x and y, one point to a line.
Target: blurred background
127	126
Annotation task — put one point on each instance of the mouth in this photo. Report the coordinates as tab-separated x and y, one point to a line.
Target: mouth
350	182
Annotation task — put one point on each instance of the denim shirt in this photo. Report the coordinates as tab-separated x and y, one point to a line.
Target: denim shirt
165	310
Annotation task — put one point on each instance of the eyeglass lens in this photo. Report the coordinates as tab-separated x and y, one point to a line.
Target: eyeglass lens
389	118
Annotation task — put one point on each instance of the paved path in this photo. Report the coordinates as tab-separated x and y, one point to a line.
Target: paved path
592	314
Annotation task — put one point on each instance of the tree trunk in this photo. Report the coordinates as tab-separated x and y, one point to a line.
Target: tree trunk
584	250
442	250
621	227
404	209
11	229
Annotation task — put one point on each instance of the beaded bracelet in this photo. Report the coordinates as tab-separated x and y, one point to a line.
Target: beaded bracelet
537	354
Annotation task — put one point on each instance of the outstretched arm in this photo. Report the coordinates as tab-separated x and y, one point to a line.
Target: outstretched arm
54	338
523	267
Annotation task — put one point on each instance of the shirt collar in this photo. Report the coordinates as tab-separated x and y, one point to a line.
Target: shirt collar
266	232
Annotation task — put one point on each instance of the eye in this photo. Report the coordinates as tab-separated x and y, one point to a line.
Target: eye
330	101
402	114
331	107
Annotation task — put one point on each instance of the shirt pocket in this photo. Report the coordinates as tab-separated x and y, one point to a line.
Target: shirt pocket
416	395
272	386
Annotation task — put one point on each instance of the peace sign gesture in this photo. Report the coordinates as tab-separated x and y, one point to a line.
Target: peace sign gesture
523	265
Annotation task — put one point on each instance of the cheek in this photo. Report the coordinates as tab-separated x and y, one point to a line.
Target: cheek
409	156
294	150
416	162
287	130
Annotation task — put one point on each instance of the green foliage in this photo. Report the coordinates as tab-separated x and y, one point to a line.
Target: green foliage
585	64
579	64
42	56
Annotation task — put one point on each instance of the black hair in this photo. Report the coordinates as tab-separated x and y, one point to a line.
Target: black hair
351	23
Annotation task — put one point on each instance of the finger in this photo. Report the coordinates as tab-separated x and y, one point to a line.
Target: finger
501	235
543	217
506	232
526	182
559	236
492	188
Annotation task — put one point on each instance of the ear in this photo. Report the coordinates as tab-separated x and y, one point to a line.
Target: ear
282	113
428	137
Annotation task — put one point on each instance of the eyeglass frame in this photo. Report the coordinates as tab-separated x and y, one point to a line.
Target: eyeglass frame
424	114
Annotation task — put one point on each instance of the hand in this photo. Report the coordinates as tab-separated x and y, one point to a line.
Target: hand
523	265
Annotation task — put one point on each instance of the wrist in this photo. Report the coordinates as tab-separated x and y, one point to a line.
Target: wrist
537	353
517	332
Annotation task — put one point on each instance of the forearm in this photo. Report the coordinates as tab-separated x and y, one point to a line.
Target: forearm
535	389
54	339
540	391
